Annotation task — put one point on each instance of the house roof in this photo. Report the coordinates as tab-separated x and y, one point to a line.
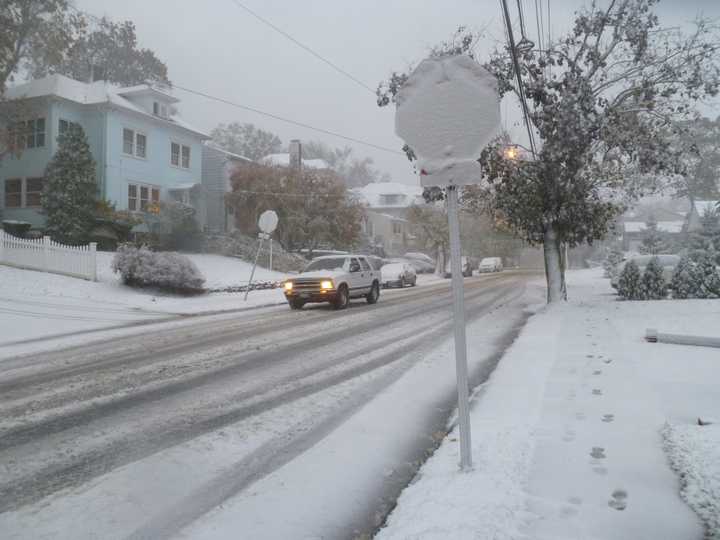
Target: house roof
96	93
230	155
374	194
701	207
283	160
141	89
664	226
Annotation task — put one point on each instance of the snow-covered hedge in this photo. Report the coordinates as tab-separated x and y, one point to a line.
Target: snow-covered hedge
696	276
653	282
630	282
144	268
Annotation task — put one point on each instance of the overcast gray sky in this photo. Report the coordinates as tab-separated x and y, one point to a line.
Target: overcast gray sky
217	48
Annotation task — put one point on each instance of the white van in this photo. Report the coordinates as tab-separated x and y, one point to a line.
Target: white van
490	264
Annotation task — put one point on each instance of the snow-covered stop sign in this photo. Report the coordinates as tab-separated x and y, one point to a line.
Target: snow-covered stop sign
447	112
268	221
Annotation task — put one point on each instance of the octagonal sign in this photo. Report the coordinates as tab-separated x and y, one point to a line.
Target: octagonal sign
447	112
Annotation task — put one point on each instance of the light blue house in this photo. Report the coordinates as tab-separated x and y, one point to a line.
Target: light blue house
144	151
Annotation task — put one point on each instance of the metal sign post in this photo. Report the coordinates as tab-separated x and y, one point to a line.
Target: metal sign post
448	110
267	223
461	369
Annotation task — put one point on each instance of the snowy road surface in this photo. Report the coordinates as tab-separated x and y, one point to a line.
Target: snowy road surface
141	435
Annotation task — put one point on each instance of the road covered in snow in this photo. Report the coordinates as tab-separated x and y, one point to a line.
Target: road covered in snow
222	423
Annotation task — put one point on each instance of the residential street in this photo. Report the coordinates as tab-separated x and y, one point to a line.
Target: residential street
139	436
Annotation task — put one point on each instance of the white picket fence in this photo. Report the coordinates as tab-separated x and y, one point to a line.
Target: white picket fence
48	256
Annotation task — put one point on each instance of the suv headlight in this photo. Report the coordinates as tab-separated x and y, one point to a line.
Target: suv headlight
326	284
288	285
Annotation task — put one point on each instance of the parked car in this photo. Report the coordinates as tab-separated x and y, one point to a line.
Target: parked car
466	265
420	257
668	262
490	264
334	279
376	262
398	274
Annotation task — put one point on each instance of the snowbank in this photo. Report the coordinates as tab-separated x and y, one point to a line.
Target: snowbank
694	452
567	434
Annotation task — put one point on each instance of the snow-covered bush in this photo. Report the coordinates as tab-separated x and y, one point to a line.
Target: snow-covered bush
144	268
705	278
653	282
630	282
682	283
611	262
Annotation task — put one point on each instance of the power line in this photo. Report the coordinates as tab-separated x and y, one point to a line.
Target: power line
287	120
304	47
516	64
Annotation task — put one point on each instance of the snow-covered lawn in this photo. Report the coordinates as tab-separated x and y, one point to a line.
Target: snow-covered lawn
568	433
37	304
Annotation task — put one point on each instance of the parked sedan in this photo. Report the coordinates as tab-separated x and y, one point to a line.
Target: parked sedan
668	262
398	274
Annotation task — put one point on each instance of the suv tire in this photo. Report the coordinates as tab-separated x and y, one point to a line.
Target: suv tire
374	294
342	298
296	303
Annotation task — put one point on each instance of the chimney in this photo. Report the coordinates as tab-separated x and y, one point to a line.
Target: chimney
296	155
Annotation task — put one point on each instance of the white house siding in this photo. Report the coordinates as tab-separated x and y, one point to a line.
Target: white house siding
217	168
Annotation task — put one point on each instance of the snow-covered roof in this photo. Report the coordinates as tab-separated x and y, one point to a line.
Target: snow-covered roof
96	93
148	89
702	207
231	155
664	226
390	194
283	160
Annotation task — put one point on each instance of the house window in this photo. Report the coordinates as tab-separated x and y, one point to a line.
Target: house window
35	137
13	193
156	108
175	154
140	145
128	141
134	143
63	125
132	197
28	134
33	192
23	192
185	157
397	227
139	196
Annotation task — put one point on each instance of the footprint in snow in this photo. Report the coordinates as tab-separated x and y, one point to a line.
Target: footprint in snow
608	417
618	500
598	452
607	360
597	392
602	471
575	500
580	416
597	372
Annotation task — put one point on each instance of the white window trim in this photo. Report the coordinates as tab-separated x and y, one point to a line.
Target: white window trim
190	158
134	153
139	185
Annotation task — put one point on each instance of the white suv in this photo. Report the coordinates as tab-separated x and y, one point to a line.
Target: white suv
334	279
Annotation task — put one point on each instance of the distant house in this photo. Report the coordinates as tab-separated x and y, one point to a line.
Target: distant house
294	158
633	232
697	211
385	222
218	166
144	151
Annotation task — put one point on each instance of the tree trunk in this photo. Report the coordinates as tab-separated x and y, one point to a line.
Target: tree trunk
554	268
440	261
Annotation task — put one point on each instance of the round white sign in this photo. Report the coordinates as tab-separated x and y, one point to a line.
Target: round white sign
268	221
447	112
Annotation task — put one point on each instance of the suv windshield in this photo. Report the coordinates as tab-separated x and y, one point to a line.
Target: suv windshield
335	263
